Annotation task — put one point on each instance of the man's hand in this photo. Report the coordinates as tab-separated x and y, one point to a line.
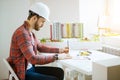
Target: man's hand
64	50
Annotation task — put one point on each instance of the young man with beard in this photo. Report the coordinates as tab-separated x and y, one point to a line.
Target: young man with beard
24	47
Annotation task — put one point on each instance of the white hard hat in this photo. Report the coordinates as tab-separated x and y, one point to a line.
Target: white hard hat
41	9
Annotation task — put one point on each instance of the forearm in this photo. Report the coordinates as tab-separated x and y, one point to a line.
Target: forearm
42	59
48	49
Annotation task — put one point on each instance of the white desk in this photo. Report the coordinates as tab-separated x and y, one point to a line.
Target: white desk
82	64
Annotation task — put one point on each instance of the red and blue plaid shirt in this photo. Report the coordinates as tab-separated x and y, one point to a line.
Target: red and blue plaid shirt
23	51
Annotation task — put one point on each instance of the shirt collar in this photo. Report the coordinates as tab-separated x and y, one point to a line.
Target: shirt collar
26	26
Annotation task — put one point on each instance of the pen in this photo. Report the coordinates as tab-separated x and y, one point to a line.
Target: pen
68	43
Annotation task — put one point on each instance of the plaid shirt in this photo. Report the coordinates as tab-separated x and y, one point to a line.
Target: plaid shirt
22	50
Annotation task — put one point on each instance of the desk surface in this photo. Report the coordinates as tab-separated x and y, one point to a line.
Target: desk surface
83	64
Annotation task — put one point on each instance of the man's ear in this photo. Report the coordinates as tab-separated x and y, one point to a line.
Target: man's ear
35	17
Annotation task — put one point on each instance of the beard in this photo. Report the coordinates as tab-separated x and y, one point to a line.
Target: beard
37	27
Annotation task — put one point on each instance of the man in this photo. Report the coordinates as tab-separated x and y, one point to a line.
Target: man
24	46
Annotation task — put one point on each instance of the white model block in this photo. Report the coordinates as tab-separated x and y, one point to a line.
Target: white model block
106	69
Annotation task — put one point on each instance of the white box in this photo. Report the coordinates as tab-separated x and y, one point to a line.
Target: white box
106	69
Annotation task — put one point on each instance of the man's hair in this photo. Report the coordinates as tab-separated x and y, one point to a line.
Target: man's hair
31	14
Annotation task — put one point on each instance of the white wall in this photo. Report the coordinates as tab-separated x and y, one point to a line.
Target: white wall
115	15
89	12
12	14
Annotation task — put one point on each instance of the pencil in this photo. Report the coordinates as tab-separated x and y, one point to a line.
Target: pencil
68	43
